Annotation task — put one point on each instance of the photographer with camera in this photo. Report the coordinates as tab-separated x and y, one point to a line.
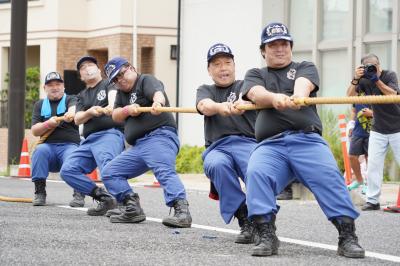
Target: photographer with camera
370	79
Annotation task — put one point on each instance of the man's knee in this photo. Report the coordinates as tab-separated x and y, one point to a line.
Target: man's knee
211	165
66	170
41	151
106	173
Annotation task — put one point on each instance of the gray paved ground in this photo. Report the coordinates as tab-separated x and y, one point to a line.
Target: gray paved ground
53	235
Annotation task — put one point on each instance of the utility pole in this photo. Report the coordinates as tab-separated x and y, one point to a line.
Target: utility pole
178	60
17	85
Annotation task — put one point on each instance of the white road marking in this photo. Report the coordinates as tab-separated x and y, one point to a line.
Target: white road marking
283	239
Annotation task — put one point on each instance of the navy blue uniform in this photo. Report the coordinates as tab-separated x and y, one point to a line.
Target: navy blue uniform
103	141
229	141
155	145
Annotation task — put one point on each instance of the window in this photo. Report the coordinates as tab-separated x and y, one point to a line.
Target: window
173	55
383	51
334	81
302	56
380	15
335	20
301	21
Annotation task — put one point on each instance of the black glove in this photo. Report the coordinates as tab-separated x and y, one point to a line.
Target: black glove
372	77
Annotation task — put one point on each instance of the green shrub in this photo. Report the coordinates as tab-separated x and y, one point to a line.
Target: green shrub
331	134
31	93
189	160
391	170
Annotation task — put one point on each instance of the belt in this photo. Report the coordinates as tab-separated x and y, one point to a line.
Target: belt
169	128
307	130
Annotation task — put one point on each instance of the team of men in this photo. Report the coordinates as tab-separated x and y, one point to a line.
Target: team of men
267	150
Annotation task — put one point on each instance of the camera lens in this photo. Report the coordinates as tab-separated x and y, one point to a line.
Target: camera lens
370	69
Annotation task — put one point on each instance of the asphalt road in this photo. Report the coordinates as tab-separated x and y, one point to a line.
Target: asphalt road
55	235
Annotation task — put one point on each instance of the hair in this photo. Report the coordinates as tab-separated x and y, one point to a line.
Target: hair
262	48
208	62
368	56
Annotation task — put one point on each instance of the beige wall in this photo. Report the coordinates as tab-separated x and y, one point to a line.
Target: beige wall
204	24
155	13
165	69
52	23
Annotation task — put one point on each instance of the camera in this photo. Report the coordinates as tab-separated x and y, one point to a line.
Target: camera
369	69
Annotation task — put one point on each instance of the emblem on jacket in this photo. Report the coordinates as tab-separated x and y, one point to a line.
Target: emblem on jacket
133	98
101	95
231	98
291	74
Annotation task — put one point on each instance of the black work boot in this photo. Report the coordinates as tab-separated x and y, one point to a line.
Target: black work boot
286	194
247	229
181	218
132	213
105	200
268	242
348	241
117	211
40	193
78	200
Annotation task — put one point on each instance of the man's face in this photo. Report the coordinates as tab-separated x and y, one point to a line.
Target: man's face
126	78
54	90
222	70
278	53
89	71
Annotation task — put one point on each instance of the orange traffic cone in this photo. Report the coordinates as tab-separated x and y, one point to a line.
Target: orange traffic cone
24	168
343	139
155	183
94	176
394	208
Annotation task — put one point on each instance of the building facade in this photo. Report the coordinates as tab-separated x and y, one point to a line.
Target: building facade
60	32
334	34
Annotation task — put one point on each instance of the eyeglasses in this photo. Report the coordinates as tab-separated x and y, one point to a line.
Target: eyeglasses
120	75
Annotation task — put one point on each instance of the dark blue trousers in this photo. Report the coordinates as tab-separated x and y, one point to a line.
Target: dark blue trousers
49	157
155	151
95	151
306	156
225	161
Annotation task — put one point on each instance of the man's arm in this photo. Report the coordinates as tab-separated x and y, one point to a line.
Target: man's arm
303	87
120	114
82	117
158	101
385	89
262	97
358	73
209	108
70	114
40	128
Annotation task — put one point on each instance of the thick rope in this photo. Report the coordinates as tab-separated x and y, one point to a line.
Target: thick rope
9	199
48	132
168	109
376	99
